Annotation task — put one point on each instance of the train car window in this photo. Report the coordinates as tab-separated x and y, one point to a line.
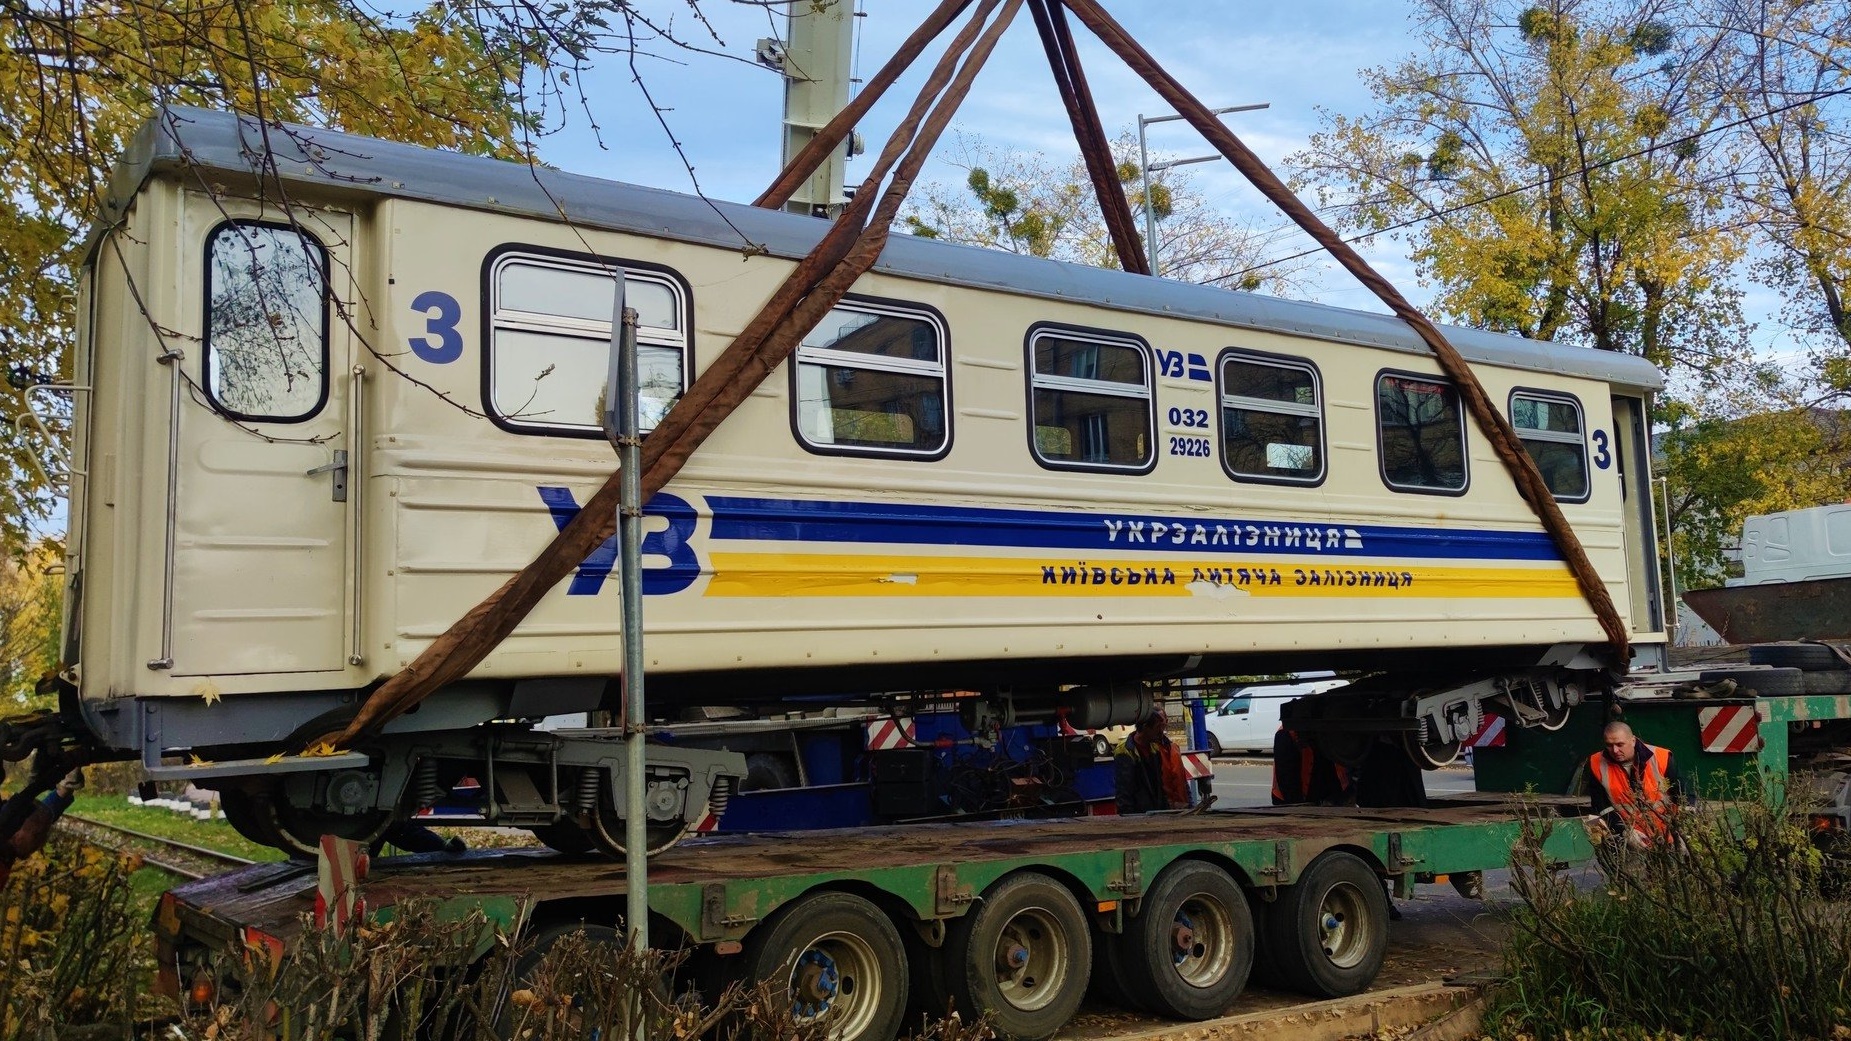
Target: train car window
550	342
1272	420
1422	434
870	379
266	323
1091	401
1549	425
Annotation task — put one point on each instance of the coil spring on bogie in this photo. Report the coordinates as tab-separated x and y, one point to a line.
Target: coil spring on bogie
722	793
425	790
587	789
1424	731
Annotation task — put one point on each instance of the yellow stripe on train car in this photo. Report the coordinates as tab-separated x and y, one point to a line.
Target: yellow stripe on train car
835	575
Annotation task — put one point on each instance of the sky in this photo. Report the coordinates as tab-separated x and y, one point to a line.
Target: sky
1304	59
1295	57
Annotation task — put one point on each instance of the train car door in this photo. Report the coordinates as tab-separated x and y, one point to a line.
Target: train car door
263	481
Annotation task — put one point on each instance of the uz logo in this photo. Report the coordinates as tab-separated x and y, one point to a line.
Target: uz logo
1175	365
671	541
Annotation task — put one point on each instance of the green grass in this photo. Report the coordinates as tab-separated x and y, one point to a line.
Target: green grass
213	834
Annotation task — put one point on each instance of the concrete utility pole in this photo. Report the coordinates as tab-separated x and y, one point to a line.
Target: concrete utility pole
817	60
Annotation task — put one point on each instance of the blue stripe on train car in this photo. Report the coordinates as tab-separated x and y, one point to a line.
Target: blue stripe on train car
823	521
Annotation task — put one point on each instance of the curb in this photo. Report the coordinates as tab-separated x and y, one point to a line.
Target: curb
1368	1013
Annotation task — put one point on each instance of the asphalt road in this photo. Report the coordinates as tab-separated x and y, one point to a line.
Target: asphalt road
1249	782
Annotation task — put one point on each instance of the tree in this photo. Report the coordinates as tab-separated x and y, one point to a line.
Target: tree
1542	161
1026	203
30	597
1784	75
1726	460
77	78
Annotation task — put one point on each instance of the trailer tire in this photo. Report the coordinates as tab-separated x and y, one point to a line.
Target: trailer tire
1022	957
1327	933
842	960
1190	950
1768	683
509	1024
1809	657
1827	682
1108	975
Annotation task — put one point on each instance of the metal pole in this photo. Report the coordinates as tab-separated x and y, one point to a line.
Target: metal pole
1671	623
630	524
620	425
1150	220
1144	171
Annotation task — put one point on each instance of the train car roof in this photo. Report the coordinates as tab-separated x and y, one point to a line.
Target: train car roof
201	141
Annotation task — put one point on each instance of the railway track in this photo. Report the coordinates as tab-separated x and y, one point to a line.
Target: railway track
179	858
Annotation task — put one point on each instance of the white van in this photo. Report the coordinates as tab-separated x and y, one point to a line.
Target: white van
1796	546
1247	720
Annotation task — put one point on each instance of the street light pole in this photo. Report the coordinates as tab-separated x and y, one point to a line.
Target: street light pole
1145	169
1671	620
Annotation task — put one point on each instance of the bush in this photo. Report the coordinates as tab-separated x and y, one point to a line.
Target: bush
72	941
1731	931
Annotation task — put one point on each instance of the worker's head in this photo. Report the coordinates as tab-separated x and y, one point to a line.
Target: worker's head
1619	741
1154	724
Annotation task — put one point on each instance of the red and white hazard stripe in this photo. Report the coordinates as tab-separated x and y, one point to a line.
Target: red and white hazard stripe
1490	733
890	732
1196	764
1731	728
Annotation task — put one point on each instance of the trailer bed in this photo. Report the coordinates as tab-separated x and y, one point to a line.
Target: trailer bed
715	888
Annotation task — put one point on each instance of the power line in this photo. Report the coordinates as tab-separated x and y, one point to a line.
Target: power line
1531	186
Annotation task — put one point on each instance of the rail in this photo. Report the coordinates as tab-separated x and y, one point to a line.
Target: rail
225	861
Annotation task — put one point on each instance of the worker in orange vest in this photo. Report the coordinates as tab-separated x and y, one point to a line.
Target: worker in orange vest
1150	772
1635	786
1303	774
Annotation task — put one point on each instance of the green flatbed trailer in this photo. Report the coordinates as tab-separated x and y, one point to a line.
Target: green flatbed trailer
1006	913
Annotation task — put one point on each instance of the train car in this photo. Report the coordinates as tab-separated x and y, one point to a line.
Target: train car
332	391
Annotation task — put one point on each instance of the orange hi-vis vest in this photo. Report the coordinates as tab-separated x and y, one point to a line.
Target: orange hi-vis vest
1643	809
1308	757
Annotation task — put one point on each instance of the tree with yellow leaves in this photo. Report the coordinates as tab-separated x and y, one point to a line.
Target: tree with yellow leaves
1543	160
30	593
77	77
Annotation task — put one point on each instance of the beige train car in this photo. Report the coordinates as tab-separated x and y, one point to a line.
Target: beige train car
335	390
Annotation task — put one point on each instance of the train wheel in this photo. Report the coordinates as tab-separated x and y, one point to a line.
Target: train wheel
1188	953
1022	956
300	830
841	960
1431	755
607	832
1345	746
563	837
1327	934
242	812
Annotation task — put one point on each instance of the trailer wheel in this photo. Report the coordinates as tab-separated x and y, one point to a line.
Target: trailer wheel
841	959
1109	975
1326	935
1188	953
1022	956
564	1015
